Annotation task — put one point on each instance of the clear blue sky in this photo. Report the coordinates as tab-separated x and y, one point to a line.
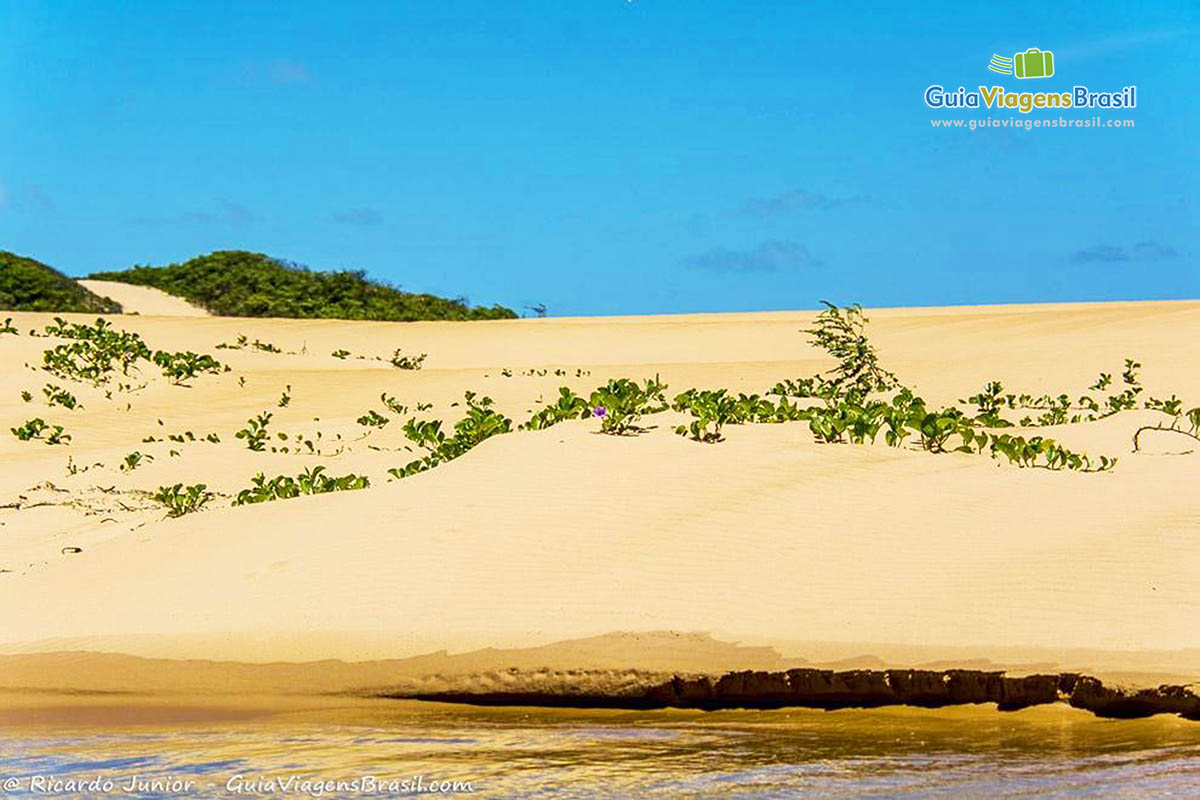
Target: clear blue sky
605	156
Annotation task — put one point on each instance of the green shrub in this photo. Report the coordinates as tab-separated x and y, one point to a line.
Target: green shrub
480	423
311	481
621	403
393	404
38	429
1038	451
854	411
255	433
180	501
58	396
93	352
242	284
400	361
28	285
182	367
568	406
1058	409
841	332
373	419
134	460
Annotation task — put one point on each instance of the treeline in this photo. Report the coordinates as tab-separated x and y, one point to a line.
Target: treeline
28	285
236	283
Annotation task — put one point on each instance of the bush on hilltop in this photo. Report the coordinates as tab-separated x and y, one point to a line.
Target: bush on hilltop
236	283
28	285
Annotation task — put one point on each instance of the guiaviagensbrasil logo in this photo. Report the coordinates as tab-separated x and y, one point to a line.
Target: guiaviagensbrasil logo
1033	63
1030	63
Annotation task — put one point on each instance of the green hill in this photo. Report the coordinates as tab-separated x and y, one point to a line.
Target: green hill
28	285
236	283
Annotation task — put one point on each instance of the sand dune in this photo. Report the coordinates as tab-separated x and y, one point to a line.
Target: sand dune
144	299
820	552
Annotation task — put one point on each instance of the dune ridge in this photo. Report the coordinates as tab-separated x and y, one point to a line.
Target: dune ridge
547	536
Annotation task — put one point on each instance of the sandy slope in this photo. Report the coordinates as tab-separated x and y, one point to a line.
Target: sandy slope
144	299
822	552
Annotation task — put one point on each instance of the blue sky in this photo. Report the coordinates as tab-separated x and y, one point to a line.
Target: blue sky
605	156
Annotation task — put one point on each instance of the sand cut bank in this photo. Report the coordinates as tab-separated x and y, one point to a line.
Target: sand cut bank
144	300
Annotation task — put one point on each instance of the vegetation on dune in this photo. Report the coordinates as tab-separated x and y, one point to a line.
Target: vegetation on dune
28	285
237	283
180	501
480	423
311	481
93	352
855	401
38	429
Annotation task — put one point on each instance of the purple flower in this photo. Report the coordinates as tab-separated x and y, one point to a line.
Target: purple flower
598	411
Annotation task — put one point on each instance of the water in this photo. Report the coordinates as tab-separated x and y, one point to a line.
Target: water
957	752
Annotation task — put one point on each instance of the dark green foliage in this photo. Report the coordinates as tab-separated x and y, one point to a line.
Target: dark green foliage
1174	409
38	429
311	481
28	285
243	342
255	433
1038	451
373	419
621	402
134	460
94	351
394	405
481	422
400	361
853	410
8	327
58	396
182	367
569	406
841	332
180	501
1060	409
236	283
715	409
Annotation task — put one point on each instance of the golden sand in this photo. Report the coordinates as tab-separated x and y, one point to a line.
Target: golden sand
808	553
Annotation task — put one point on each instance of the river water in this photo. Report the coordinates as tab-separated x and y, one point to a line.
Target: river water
103	747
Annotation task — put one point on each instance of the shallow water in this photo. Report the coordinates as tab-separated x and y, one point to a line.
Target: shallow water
956	752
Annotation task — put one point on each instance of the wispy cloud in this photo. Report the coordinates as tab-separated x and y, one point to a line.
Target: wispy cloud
772	256
1115	254
798	200
358	216
1151	251
227	214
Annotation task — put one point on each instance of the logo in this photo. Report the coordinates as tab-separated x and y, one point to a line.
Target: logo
1033	63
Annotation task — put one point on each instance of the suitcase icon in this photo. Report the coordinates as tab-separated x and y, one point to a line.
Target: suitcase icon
1033	63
